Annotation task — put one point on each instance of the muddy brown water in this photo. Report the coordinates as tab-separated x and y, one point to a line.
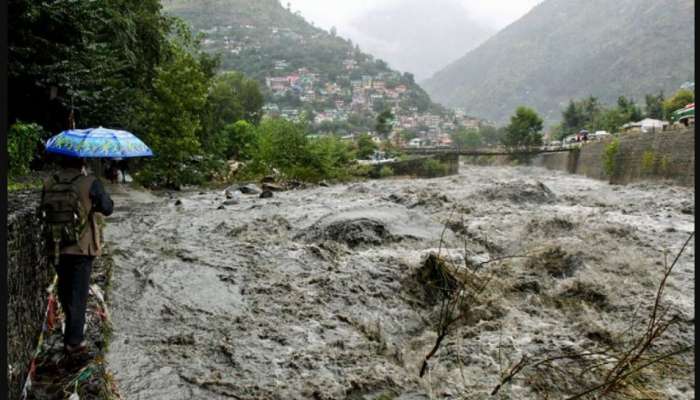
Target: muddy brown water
307	295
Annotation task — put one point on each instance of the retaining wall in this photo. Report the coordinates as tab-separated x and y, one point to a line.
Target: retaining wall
28	277
668	155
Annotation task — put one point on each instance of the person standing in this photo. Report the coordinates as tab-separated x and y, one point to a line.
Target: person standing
72	205
124	168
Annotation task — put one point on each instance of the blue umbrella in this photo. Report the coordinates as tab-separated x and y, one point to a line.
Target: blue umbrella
97	143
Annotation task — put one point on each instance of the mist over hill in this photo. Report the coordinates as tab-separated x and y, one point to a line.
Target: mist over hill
565	49
418	36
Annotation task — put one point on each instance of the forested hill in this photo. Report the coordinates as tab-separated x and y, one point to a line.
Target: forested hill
565	49
263	39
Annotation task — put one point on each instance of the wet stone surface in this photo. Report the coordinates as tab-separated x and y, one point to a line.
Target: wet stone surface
315	293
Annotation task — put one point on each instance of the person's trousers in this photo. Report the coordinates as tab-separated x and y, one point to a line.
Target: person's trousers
73	286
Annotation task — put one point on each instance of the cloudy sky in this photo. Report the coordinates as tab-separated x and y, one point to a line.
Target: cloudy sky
419	36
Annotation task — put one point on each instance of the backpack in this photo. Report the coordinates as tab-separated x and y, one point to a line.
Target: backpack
63	213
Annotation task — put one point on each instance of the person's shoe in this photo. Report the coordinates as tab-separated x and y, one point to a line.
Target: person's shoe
77	349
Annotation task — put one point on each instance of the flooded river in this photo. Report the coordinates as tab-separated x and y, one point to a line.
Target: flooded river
311	294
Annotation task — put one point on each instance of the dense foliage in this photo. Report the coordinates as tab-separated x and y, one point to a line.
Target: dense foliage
22	142
592	115
282	147
679	100
523	132
385	123
123	64
365	147
467	138
93	57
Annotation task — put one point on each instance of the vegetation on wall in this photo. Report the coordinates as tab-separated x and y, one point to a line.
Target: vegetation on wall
609	157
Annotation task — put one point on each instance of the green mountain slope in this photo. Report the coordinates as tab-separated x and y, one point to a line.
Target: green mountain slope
264	40
565	49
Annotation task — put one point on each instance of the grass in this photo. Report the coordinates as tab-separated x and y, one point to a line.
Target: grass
14	185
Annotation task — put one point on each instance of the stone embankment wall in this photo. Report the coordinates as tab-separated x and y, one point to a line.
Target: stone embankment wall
422	167
668	155
28	277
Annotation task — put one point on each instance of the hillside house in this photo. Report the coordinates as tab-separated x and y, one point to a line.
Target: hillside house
281	65
349	64
277	83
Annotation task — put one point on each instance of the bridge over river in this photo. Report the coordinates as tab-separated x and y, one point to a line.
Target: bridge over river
488	151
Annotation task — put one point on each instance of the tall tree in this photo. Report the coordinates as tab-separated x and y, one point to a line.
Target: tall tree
571	119
523	132
385	123
92	57
232	97
655	106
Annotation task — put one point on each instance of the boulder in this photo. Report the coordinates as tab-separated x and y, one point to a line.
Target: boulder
249	189
233	197
272	187
265	194
242	188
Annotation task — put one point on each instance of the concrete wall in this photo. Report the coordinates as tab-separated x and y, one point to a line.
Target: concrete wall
668	155
28	277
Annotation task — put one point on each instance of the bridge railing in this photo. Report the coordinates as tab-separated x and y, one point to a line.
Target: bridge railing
491	150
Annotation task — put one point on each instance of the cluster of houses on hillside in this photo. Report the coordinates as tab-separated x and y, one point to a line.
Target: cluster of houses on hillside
336	101
350	92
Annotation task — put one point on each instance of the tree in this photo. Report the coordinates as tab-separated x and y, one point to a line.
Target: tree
22	141
679	100
572	120
239	140
467	138
92	57
407	135
365	146
170	117
610	120
232	97
655	106
523	132
628	109
385	123
491	135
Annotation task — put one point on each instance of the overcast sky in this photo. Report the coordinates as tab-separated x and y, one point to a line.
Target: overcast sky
361	20
340	13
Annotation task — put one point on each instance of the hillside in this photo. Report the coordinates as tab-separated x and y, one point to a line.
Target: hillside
305	70
565	49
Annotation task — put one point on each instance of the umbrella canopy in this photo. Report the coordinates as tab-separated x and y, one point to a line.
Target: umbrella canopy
97	143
